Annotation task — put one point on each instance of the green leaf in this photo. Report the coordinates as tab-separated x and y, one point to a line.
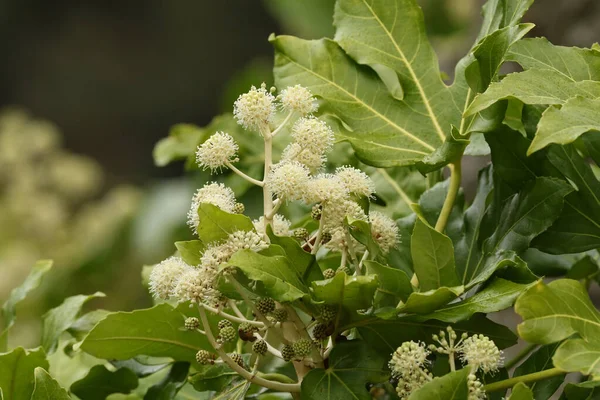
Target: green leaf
433	257
156	331
59	319
100	382
349	293
498	295
534	86
46	388
18	294
577	355
191	251
563	125
168	387
213	377
541	360
86	322
139	368
427	302
352	367
555	311
304	263
582	391
573	62
274	276
386	335
500	14
452	386
361	231
578	227
181	143
237	391
383	131
521	392
216	225
394	284
17	372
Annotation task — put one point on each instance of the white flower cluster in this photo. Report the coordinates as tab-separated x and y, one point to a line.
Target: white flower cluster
481	353
217	151
213	193
299	99
255	109
173	278
281	225
408	365
313	138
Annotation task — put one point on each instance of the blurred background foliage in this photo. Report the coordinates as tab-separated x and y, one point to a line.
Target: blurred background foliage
115	77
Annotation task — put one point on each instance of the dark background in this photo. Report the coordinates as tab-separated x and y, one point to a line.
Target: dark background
115	75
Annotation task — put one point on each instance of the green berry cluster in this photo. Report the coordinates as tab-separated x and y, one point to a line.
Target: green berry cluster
280	315
328	313
224	323
321	331
227	334
328	273
204	357
287	352
238	208
239	360
316	212
301	233
302	347
191	323
260	347
265	305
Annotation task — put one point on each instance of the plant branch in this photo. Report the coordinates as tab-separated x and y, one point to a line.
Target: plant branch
283	123
243	175
536	376
455	178
267	195
233	318
254	378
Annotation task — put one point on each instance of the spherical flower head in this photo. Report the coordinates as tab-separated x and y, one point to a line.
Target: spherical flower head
164	276
240	240
334	213
217	151
408	358
313	135
339	240
384	231
356	181
325	188
255	109
281	225
480	352
288	180
213	193
214	255
298	98
295	152
196	285
476	391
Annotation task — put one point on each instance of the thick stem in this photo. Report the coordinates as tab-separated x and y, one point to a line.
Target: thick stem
282	387
455	177
451	361
243	175
283	123
536	376
519	357
267	195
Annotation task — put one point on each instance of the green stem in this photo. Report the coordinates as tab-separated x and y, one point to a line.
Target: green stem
276	377
536	376
455	178
520	356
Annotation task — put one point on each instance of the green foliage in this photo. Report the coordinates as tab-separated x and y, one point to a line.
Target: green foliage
541	360
521	392
46	388
452	386
17	377
101	382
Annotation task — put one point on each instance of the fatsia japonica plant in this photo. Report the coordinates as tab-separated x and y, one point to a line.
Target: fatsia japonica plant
325	289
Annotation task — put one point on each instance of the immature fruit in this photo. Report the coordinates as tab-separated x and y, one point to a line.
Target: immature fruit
238	208
246	332
345	270
260	347
224	323
191	323
328	273
320	331
239	360
301	233
280	315
325	237
302	347
265	305
328	313
287	352
227	334
204	357
316	212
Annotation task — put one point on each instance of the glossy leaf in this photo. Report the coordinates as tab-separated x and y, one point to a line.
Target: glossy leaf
213	377
394	284
274	276
498	295
191	251
386	335
18	294
47	388
521	392
577	355
427	302
534	86
59	319
555	311
575	63
17	368
352	367
155	331
304	263
452	386
578	227
541	360
216	225
433	257
563	125
100	383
